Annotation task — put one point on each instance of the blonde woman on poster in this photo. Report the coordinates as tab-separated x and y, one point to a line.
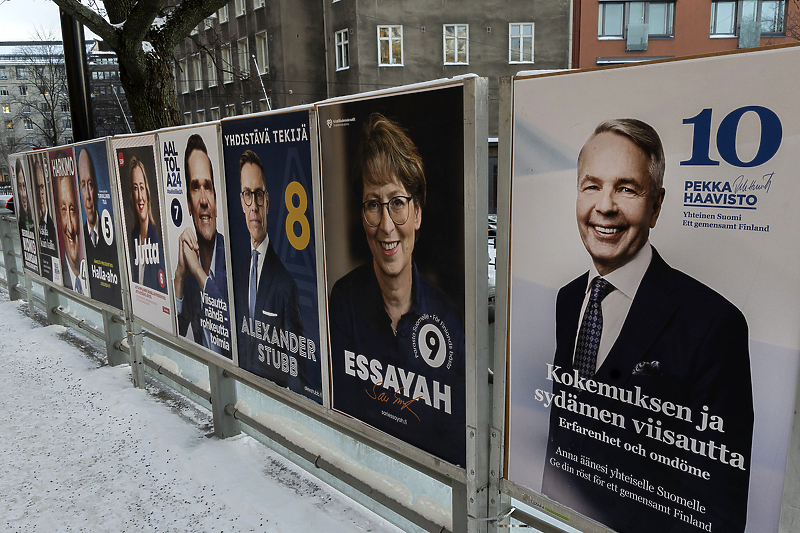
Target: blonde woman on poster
143	235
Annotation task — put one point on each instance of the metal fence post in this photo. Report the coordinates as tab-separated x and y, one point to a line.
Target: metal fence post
51	302
135	339
29	294
223	392
9	258
114	328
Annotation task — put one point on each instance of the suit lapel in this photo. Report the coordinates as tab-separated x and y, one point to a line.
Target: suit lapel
651	309
265	281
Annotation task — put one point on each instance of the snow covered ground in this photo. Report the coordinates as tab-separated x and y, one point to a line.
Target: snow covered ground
81	449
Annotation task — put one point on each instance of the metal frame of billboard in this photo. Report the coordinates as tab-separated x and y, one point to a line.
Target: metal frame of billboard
507	491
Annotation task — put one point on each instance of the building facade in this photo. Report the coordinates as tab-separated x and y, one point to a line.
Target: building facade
607	33
309	51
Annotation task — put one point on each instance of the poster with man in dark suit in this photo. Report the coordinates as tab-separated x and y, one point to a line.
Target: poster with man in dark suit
273	250
653	346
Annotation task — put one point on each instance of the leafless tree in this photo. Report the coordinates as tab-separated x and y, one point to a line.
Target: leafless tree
144	33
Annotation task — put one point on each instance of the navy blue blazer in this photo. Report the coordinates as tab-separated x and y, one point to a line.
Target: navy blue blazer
102	290
278	306
151	277
192	310
681	342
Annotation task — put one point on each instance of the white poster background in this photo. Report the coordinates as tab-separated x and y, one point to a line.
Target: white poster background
756	271
176	182
150	305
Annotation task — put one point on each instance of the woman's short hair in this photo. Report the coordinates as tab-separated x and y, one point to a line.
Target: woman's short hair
385	152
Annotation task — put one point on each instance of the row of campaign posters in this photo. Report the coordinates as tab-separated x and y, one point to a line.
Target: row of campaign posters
217	228
654	302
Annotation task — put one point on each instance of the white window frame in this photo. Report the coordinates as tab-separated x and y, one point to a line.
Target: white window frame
342	39
201	116
243	53
454	38
197	72
211	70
230	110
247	108
737	19
4	90
183	76
24	71
23	90
28	123
258	4
227	63
240	7
187	118
214	114
521	36
265	104
224	14
262	53
626	20
388	40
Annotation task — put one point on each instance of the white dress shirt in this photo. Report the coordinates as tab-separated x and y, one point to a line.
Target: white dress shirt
615	306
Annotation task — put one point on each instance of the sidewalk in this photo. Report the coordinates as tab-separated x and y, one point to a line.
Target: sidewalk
81	449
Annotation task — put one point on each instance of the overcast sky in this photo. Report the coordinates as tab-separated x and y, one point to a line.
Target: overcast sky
19	19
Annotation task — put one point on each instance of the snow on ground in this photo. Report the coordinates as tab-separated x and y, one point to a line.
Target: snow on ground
81	449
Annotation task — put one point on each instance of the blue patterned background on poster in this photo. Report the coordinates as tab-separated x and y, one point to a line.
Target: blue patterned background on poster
286	158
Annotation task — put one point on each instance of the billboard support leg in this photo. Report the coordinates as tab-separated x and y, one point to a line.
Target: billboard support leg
135	339
459	499
114	329
10	262
29	291
223	392
51	303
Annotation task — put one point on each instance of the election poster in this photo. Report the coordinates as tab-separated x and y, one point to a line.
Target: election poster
268	174
42	187
137	178
393	213
653	328
68	229
24	211
97	222
197	267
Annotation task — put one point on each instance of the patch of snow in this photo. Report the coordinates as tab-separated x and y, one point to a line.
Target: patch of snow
167	363
158	23
147	47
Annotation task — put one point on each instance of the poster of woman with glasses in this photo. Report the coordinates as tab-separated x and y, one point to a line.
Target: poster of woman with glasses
394	220
273	253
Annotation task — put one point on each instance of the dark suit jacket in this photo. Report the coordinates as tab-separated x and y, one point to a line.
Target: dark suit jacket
700	342
47	245
109	293
192	309
278	305
151	276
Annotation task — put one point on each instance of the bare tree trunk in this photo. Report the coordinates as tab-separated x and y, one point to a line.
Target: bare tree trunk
151	92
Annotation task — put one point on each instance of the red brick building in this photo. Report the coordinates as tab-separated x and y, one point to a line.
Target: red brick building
608	32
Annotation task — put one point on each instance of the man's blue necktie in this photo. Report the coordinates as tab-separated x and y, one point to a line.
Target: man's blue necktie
78	288
591	329
253	284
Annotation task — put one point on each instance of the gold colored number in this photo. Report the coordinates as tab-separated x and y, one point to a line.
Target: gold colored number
297	214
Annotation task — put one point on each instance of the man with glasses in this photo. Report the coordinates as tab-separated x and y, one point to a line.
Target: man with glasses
269	301
47	228
201	278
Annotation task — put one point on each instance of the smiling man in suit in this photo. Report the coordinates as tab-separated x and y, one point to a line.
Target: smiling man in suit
271	305
633	323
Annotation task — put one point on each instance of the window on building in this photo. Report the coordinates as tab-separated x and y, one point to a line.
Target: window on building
23	90
227	64
247	108
244	57
66	123
10	125
197	73
258	4
201	116
456	44
26	108
6	108
262	52
264	104
616	19
3	91
230	110
342	50
211	70
45	107
39	71
182	76
68	140
30	140
729	19
223	14
64	107
28	124
214	113
187	118
520	42
10	142
239	6
60	72
22	73
3	75
390	46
